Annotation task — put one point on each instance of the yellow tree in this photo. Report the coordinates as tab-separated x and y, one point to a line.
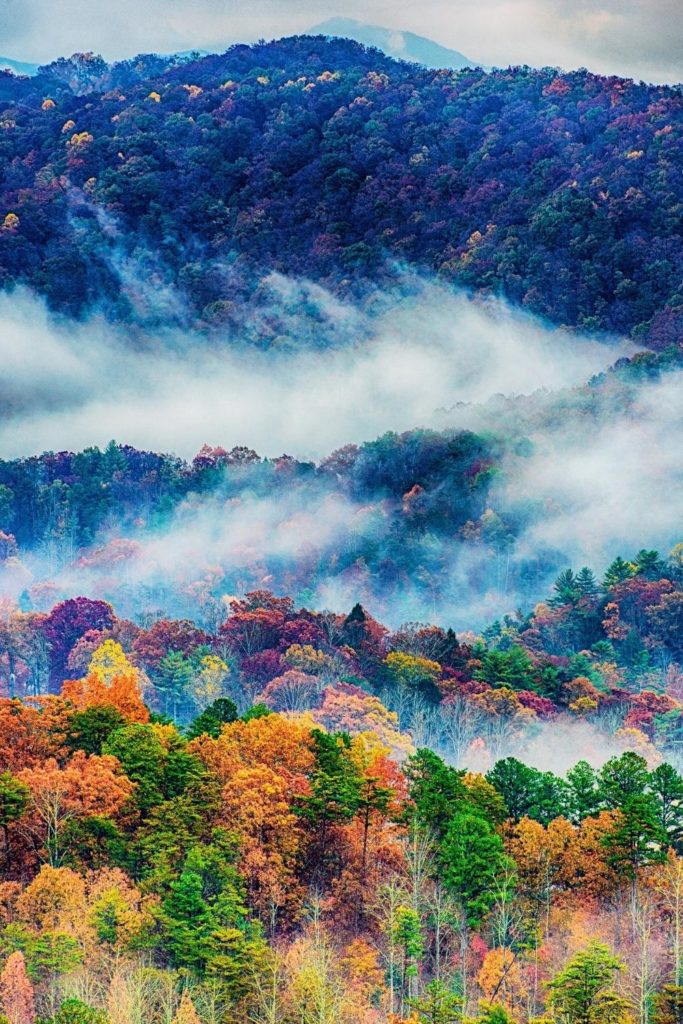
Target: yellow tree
211	681
502	982
113	681
55	901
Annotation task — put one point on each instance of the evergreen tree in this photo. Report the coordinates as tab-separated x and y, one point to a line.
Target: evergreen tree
581	993
586	584
528	792
438	1005
618	572
90	729
472	859
436	790
14	799
623	777
212	719
667	786
584	791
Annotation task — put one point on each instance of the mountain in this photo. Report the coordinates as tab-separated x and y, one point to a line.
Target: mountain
402	45
162	191
18	67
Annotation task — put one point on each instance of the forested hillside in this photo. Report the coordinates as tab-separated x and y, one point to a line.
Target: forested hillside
381	732
441	524
162	192
303	816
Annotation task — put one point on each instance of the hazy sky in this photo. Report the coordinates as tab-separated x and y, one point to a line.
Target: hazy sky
637	38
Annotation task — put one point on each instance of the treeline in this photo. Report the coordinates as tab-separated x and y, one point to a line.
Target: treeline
162	192
82	495
605	653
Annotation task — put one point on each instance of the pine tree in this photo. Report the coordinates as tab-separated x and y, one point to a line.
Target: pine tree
586	584
14	799
438	1005
581	992
566	590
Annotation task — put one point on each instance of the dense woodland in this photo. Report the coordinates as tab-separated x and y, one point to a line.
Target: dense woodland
305	817
163	192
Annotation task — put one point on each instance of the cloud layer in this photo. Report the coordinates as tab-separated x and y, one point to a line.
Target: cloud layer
68	387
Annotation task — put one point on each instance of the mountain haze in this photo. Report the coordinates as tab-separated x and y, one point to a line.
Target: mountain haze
398	44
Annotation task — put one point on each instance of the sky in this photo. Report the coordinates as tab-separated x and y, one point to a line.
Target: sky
632	38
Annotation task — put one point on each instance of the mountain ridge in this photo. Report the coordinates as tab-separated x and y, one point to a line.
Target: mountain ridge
395	43
321	158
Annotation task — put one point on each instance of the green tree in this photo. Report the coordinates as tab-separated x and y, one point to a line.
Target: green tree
584	791
650	565
623	777
172	677
256	711
472	859
437	1005
436	791
142	756
90	729
667	786
205	923
212	719
512	668
636	839
586	584
495	1014
618	572
73	1011
159	770
14	799
528	792
566	590
335	790
408	938
581	992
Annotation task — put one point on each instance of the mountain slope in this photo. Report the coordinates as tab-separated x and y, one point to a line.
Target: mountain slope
402	45
18	67
163	192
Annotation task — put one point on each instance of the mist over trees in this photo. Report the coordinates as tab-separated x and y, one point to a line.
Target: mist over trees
163	191
388	731
225	824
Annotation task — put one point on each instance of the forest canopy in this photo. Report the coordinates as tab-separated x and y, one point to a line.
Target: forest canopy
162	191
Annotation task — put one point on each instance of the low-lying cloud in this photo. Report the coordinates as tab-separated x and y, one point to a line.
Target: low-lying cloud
71	386
599	472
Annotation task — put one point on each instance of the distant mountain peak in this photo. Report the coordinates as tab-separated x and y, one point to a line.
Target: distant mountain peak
395	43
17	67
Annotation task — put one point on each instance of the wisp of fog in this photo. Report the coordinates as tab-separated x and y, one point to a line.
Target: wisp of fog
68	386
